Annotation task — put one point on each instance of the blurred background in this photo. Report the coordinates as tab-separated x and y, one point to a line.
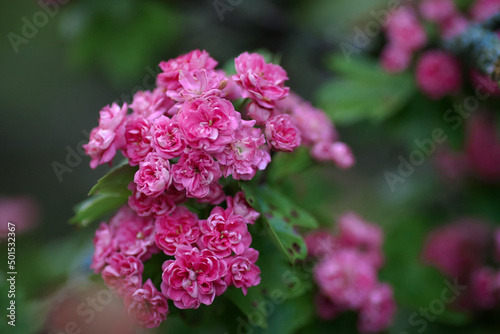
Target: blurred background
59	69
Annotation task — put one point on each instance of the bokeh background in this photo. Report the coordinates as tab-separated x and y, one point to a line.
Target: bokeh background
94	52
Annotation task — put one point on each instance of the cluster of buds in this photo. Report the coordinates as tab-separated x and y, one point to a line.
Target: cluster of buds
346	273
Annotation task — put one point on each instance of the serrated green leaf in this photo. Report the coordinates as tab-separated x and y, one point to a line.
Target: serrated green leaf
97	206
281	216
116	181
364	91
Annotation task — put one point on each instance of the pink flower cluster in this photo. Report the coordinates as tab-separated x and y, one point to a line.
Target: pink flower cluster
460	251
209	256
184	136
346	273
438	72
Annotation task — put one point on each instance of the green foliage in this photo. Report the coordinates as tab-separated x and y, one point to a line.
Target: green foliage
120	37
281	283
110	192
281	216
287	164
364	91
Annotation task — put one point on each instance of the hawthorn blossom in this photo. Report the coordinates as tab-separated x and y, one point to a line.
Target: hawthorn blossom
260	81
108	136
346	277
153	176
150	105
168	140
404	31
242	271
208	124
157	206
138	140
133	235
354	232
195	171
224	232
438	74
379	310
147	305
240	206
281	134
104	246
195	277
242	158
178	228
123	274
194	60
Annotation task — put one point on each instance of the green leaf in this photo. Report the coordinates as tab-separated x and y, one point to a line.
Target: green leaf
287	164
110	192
280	216
280	284
97	206
364	91
116	181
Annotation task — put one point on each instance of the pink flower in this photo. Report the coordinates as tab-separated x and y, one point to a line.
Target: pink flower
123	274
108	136
157	206
438	74
453	26
395	59
258	113
132	234
320	244
281	134
240	206
150	105
194	60
260	81
153	176
195	171
215	195
404	31
198	84
356	233
377	313
168	140
242	271
112	117
483	147
178	228
104	246
138	140
346	277
326	309
147	305
208	124
337	152
458	248
485	288
313	124
437	10
483	9
242	158
224	232
195	277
